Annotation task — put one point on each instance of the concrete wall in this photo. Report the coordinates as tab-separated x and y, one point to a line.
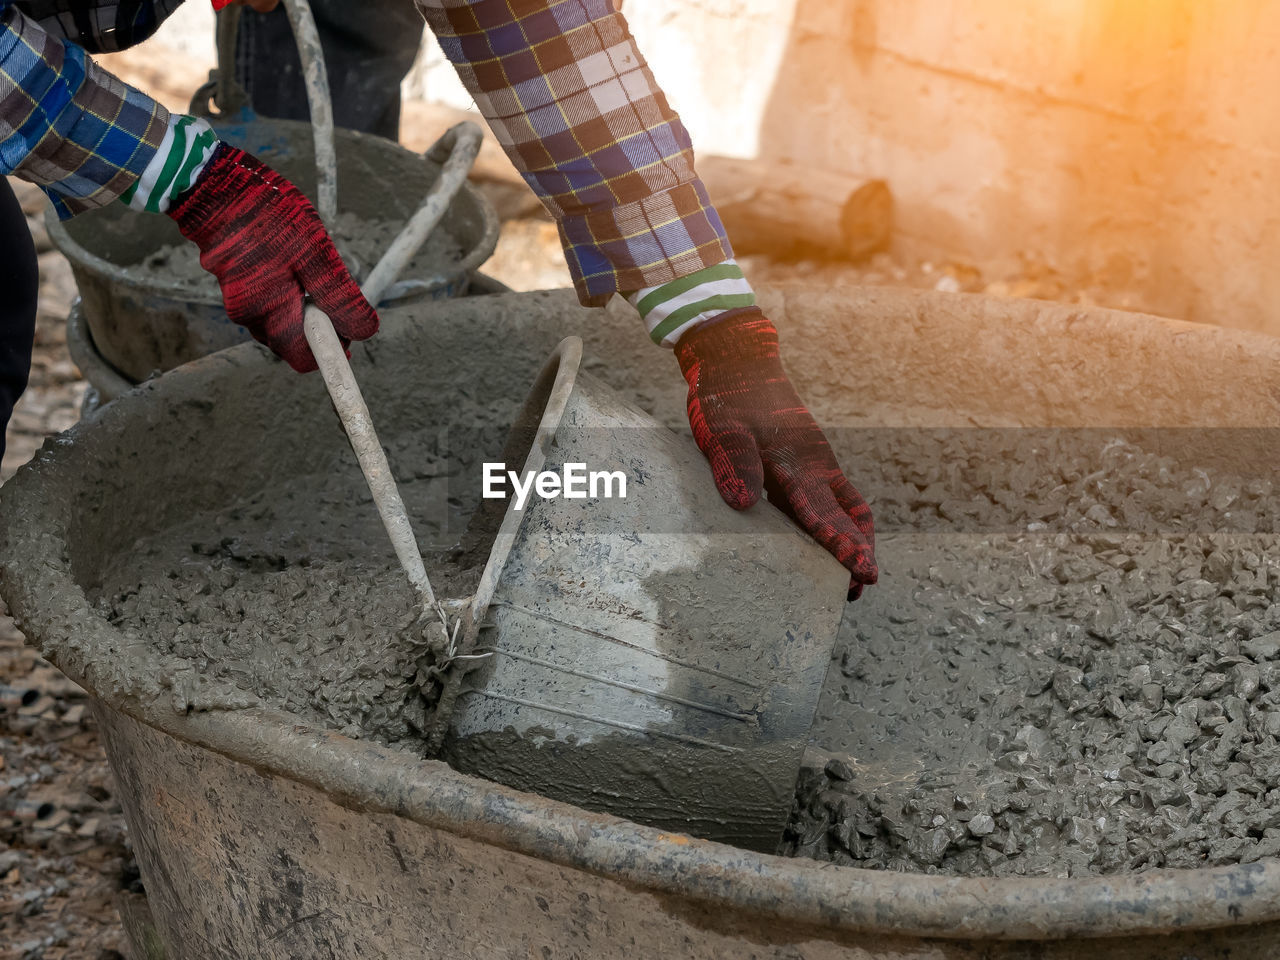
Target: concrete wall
1133	141
1130	143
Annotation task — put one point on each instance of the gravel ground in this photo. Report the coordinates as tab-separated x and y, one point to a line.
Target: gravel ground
60	873
64	851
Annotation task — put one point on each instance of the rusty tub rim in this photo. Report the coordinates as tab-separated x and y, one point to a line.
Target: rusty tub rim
367	776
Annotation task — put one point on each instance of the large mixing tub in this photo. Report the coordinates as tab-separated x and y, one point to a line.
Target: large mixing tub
261	836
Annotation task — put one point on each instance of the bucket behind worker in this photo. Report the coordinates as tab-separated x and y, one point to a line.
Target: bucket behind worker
657	656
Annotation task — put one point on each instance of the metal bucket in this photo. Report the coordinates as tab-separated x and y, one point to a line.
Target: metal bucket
260	835
141	324
655	655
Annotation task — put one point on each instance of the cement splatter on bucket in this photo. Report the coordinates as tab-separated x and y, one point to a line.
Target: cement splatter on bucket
654	655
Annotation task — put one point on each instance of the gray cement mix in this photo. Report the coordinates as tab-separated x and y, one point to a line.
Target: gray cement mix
295	597
361	242
1030	690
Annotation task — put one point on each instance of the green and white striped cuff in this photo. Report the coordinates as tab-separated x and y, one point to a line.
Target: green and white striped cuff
672	309
182	154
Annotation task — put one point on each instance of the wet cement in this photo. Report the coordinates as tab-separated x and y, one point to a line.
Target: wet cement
362	243
1051	678
295	597
1060	672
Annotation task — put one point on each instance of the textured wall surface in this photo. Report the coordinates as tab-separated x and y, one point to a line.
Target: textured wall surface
1132	143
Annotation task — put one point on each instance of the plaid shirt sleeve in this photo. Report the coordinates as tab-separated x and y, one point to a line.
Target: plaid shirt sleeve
577	109
67	124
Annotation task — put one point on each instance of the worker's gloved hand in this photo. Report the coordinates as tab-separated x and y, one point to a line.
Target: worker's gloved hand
758	436
266	245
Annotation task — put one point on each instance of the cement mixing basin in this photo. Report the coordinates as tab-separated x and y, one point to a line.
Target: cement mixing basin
1051	731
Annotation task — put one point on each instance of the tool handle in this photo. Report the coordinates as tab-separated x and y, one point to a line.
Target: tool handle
316	80
347	398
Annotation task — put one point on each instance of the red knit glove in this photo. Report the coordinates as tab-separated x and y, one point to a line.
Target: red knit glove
758	435
266	245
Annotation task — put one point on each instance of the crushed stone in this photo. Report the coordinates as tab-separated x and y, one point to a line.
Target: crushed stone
1059	673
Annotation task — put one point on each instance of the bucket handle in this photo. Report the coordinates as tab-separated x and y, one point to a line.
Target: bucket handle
456	150
564	361
331	357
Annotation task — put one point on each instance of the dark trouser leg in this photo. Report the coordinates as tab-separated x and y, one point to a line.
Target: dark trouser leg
19	288
369	46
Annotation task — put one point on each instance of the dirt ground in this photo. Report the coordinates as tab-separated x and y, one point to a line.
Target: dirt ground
63	846
64	849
